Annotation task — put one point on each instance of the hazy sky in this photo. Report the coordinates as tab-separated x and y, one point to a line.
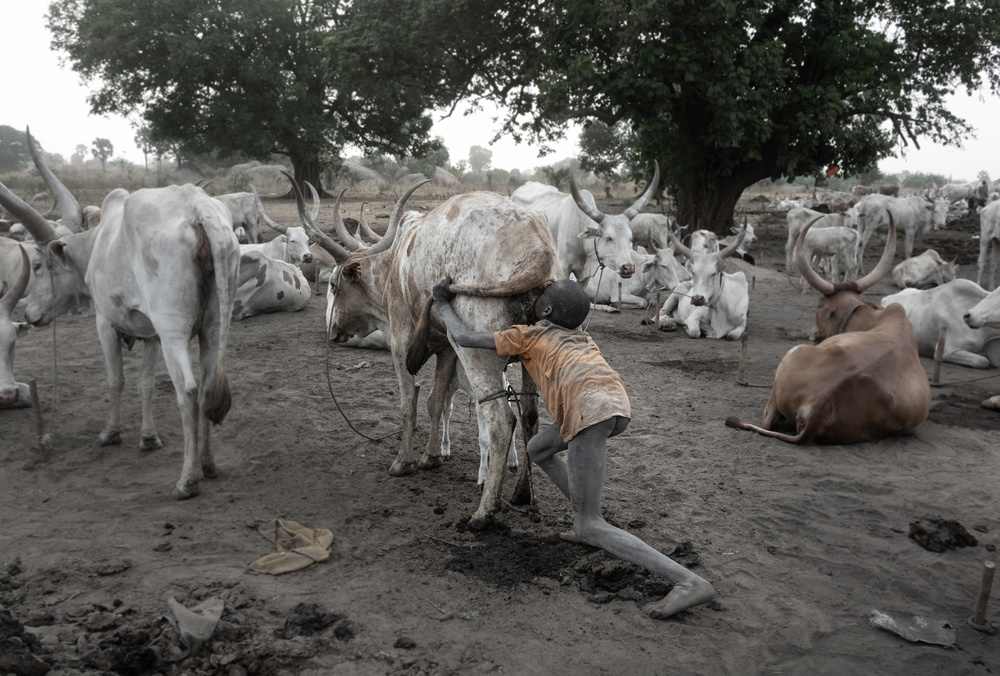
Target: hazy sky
39	93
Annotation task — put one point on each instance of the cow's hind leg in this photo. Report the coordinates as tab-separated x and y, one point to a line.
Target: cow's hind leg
148	439
175	355
209	351
112	347
439	407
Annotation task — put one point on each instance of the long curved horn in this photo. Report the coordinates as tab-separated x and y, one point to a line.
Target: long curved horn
394	219
884	263
13	295
823	286
593	212
72	214
316	202
339	253
267	219
363	224
350	243
633	210
41	230
728	251
678	244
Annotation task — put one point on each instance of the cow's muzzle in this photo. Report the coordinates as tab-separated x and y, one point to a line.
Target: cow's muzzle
9	397
626	271
698	301
308	258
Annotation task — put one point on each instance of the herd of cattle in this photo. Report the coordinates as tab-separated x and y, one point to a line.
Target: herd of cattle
164	265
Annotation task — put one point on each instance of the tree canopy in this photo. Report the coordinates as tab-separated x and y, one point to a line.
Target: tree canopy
246	77
13	149
727	93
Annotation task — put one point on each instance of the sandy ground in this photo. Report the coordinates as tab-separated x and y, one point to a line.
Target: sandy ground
802	543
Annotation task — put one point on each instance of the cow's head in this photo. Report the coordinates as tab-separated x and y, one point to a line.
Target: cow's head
839	303
610	236
296	239
660	269
10	331
707	270
985	313
59	285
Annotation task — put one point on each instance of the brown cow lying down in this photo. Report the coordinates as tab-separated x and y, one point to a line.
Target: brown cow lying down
863	381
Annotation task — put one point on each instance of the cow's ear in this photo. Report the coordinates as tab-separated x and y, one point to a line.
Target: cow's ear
353	271
647	265
57	247
589	233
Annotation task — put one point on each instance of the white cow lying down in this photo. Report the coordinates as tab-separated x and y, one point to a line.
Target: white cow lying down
923	271
983	315
377	341
946	305
657	270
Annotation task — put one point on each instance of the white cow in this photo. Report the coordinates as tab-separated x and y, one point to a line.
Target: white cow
244	212
650	229
923	271
797	220
962	191
658	271
162	268
290	246
584	238
704	241
11	264
714	303
914	215
989	245
837	248
985	316
12	393
268	285
947	306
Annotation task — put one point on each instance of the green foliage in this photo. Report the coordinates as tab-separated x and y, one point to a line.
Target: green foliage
725	94
102	150
13	149
606	150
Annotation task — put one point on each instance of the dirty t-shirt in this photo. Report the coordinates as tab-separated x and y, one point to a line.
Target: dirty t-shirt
578	386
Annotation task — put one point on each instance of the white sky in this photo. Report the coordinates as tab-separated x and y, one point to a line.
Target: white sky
52	101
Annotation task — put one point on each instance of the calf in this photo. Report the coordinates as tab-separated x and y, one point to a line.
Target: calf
290	246
799	217
863	381
923	271
658	271
837	246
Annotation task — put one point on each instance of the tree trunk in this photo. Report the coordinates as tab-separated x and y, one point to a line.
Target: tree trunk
711	204
306	168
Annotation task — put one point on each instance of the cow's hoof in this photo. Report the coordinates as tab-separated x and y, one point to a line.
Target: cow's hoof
430	463
152	443
187	491
479	522
113	438
402	468
521	496
209	471
993	403
668	325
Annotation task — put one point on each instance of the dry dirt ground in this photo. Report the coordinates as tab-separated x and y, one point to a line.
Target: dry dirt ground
802	543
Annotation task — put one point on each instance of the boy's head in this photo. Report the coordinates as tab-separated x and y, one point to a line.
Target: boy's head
564	303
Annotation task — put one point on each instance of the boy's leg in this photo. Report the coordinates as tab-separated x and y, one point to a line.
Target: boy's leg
542	449
586	469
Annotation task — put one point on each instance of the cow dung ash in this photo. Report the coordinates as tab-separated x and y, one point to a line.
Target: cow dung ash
311	618
939	535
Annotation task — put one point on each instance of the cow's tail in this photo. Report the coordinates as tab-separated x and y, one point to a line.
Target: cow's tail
418	352
216	237
802	437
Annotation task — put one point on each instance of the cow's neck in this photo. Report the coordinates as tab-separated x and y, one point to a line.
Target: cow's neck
79	249
859	316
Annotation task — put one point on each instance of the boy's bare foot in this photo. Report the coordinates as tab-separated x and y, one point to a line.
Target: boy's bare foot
570	536
684	595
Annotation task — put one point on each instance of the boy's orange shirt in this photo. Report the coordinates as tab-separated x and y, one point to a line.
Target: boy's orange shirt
580	389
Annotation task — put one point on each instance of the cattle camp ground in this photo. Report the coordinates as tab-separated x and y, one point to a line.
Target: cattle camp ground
803	544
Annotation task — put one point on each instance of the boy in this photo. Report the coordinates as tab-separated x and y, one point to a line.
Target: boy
587	399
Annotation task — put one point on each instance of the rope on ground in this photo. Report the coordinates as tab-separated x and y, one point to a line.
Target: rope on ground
329	386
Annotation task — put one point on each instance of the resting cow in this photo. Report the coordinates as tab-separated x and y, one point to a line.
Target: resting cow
658	271
864	380
714	303
946	306
983	315
923	271
989	245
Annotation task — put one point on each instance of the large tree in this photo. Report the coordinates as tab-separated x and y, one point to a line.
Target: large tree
727	93
13	149
248	77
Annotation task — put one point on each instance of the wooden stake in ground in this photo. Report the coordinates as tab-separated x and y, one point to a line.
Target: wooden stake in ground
36	412
413	409
741	376
978	619
619	296
939	354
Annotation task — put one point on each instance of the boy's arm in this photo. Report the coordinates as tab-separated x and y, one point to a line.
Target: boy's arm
458	329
